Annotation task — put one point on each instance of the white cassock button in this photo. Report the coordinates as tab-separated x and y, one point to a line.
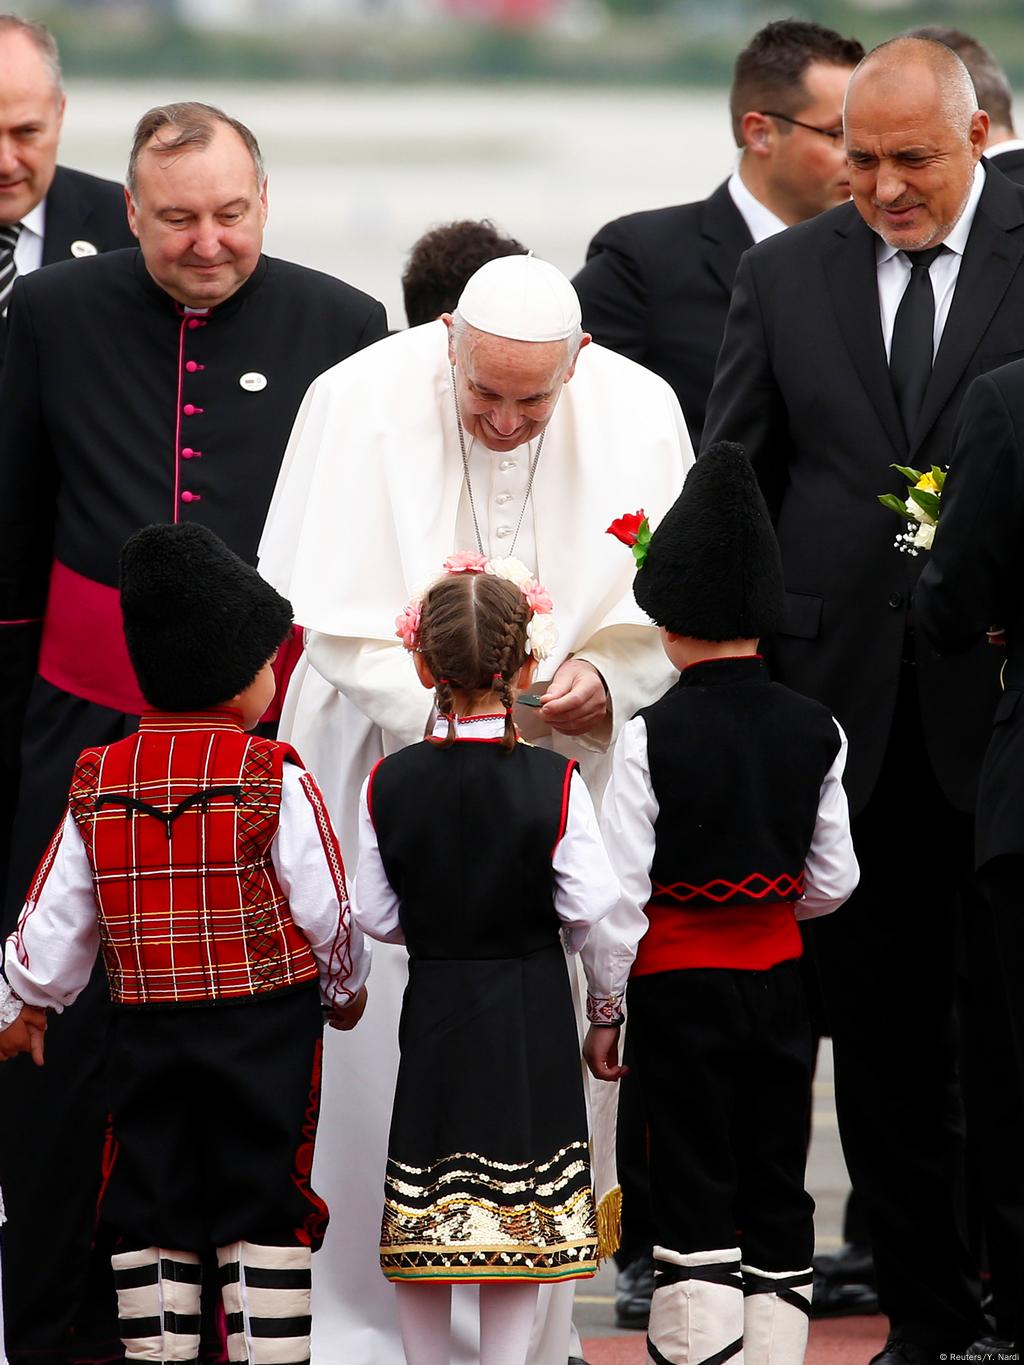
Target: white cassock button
253	381
508	464
83	248
504	532
503	498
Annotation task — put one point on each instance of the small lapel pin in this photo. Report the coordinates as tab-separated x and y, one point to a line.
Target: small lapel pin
83	248
253	381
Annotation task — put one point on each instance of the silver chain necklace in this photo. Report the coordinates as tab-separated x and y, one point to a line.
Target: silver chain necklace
469	486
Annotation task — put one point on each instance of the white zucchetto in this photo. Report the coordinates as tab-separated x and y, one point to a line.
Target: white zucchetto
522	298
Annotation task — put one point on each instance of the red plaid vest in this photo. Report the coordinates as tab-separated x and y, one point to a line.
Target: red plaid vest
177	821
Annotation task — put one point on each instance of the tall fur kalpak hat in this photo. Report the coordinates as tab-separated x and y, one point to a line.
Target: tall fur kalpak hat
199	622
712	569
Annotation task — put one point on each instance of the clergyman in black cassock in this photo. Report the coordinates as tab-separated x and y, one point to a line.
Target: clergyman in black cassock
121	406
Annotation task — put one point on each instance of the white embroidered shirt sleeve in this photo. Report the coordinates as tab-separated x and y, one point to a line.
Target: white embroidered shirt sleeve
308	864
374	902
50	955
830	872
628	812
10	1005
585	886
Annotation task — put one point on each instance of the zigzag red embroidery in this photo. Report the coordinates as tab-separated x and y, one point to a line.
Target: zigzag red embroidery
783	888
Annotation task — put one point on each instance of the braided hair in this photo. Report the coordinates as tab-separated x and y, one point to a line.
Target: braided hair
472	635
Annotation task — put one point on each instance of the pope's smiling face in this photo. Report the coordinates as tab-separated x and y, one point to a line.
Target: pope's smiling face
199	213
912	153
507	390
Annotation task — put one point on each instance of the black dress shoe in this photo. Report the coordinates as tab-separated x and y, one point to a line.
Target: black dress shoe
634	1285
993	1349
899	1351
844	1283
852	1262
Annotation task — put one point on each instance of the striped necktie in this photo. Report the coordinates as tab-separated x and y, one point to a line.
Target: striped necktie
8	270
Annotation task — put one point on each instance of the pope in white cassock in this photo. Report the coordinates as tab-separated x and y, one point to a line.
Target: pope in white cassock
498	429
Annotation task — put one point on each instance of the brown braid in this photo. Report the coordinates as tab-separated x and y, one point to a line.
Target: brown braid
472	633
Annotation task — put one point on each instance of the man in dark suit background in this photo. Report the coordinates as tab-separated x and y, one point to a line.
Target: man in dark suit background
656	285
848	349
971	585
50	212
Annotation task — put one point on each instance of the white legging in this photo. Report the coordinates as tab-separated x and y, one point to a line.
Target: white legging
506	1321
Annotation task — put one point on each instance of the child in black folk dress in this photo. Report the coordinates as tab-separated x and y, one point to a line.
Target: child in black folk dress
726	819
475	851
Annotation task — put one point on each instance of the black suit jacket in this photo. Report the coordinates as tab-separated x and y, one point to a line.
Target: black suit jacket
1010	163
80	208
656	288
803	383
974	579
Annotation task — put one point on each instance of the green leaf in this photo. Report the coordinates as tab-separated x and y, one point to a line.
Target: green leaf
640	552
643	535
939	475
928	502
911	475
895	504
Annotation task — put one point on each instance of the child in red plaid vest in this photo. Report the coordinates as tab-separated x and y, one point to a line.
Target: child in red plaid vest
200	858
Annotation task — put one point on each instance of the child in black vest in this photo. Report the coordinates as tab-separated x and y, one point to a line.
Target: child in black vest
475	851
727	822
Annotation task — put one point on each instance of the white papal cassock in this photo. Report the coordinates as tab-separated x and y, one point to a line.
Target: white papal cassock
370	500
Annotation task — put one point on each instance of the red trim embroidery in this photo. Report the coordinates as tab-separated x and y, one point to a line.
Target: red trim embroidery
741	937
314	1226
369	791
719	658
782	888
340	960
111	1148
571	767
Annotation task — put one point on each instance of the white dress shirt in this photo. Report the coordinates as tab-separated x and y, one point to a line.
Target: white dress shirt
894	270
760	220
585	886
28	253
50	957
1010	144
629	811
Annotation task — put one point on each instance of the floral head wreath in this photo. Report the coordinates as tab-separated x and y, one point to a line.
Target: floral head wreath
541	634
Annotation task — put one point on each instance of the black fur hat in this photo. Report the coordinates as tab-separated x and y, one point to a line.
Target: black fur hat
199	622
713	570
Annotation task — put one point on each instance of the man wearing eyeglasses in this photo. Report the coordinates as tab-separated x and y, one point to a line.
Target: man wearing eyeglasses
850	343
656	285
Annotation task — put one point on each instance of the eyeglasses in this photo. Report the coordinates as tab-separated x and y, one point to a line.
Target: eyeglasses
833	134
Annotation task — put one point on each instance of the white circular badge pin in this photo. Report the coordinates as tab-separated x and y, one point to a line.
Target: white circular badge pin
253	381
83	248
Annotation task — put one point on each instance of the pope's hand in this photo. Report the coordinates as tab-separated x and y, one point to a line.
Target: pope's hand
576	700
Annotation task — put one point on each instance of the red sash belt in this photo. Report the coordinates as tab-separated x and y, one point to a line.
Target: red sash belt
743	937
83	649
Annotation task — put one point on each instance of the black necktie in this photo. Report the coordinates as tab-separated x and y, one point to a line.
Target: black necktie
8	271
913	333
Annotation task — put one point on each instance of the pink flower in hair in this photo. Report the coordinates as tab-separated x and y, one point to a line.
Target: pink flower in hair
538	597
465	561
408	625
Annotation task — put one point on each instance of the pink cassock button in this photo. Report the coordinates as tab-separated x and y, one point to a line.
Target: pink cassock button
195	322
190	409
187	453
193	365
190	497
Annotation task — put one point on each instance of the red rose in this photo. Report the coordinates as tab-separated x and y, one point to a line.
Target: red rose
627	527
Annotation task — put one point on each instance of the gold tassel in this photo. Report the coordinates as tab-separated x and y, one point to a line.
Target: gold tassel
609	1223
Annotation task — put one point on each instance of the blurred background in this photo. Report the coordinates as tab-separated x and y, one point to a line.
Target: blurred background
380	118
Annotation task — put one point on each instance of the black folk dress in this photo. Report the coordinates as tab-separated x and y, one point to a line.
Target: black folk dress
488	1175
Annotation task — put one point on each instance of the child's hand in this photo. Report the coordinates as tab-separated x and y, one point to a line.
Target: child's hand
35	1021
601	1053
24	1035
345	1017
